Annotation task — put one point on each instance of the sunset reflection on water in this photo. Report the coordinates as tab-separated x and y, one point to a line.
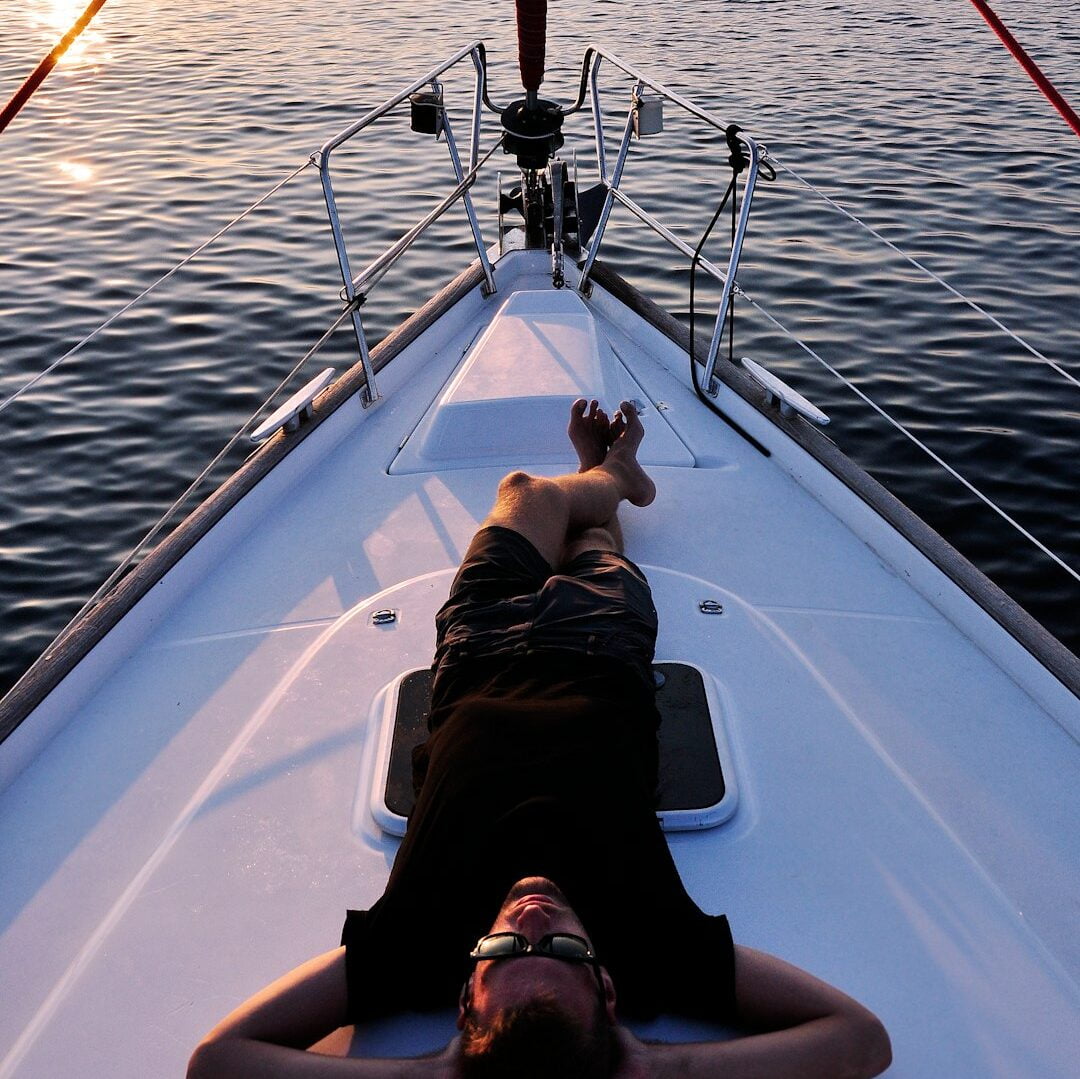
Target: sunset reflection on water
78	171
184	114
56	17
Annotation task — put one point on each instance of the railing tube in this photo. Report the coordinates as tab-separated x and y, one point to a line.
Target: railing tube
661	230
375	270
660	88
478	101
370	276
380	110
322	160
605	213
598	120
709	381
370	393
478	238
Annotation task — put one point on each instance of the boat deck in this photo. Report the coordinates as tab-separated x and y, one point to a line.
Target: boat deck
906	825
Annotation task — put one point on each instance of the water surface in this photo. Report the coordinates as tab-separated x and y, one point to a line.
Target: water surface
169	119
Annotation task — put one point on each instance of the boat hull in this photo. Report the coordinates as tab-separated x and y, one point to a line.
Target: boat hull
186	809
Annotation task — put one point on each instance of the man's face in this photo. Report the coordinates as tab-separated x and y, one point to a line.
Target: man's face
534	907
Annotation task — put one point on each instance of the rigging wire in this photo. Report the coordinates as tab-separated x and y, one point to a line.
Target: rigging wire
930	273
126	562
38	75
736	165
1049	90
146	292
907	434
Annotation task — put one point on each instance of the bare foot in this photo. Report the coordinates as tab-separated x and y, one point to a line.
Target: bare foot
589	433
621	460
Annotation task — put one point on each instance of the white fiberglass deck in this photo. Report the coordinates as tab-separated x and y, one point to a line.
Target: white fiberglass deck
907	817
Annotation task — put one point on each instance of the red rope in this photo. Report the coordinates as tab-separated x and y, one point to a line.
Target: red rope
1029	65
37	76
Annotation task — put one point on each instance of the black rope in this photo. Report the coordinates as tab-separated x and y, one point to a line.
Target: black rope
738	162
693	279
735	170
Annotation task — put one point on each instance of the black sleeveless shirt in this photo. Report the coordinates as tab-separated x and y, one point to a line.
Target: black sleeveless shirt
541	767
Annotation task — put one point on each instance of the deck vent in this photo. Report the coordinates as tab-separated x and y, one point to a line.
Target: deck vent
508	401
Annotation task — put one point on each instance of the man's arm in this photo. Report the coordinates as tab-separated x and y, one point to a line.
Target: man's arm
802	1027
267	1035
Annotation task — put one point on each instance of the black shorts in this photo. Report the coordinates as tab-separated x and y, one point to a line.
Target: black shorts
506	602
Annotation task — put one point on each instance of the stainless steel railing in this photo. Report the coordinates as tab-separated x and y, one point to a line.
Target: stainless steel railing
357	288
359	285
590	83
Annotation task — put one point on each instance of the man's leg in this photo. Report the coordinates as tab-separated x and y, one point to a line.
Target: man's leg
551	512
590	434
606	537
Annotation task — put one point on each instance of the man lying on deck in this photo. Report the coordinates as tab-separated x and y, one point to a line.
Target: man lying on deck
534	870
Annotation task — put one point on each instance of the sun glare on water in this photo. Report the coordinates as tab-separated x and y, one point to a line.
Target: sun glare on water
57	17
77	171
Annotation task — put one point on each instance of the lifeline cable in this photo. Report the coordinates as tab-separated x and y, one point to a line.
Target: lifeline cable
930	273
913	438
466	182
1041	81
698	389
26	387
164	518
37	76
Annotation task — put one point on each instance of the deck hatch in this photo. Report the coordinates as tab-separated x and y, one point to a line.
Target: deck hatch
694	791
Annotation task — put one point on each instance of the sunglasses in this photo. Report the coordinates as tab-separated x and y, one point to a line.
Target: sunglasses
566	947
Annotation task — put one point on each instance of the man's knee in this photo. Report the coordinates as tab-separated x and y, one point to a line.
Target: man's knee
517	481
536	508
521	493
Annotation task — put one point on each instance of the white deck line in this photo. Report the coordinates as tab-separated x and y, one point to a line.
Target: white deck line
252	631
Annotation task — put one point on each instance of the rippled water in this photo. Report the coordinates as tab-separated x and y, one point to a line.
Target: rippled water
170	118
